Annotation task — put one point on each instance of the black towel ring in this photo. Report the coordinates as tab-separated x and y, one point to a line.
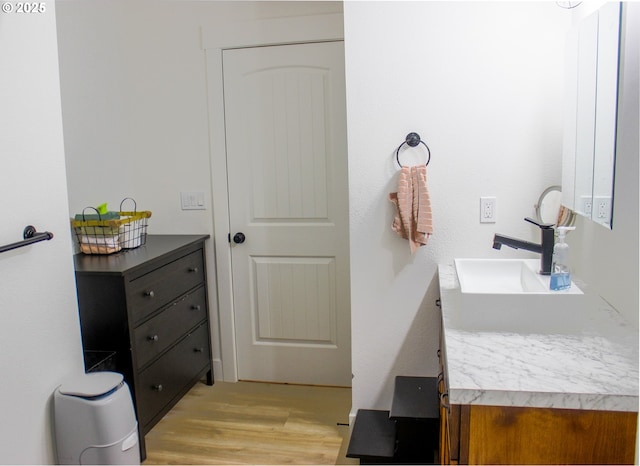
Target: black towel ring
412	140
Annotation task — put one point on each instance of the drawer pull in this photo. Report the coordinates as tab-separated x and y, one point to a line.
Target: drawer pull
152	338
198	350
158	387
195	307
149	294
193	269
442	402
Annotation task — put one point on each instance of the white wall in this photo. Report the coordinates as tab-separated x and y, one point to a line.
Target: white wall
482	83
39	335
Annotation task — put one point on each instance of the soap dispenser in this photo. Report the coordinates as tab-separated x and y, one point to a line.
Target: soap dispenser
560	271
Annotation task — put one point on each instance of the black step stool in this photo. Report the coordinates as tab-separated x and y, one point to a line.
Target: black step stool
373	437
408	434
416	410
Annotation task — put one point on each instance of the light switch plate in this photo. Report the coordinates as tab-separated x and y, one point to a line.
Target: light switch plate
192	200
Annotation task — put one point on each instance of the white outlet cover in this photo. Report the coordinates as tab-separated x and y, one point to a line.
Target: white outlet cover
586	205
487	210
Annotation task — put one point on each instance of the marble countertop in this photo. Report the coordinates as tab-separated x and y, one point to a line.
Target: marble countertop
595	368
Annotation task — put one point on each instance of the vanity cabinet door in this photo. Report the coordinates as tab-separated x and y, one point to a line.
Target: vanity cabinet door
444	447
523	435
449	439
444	450
478	434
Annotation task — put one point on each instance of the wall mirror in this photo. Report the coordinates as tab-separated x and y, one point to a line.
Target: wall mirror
591	114
549	208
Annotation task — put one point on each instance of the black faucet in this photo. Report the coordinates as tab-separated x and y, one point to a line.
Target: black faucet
545	249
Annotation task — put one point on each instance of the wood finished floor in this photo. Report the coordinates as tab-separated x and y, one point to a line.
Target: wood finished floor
254	423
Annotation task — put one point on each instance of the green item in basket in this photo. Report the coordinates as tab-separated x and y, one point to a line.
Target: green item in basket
102	209
105	216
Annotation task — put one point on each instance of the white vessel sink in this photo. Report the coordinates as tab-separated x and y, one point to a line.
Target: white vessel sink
490	276
509	295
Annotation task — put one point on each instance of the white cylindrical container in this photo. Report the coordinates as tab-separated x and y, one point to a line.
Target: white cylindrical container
94	420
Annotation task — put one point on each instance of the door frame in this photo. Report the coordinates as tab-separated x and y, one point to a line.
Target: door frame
255	33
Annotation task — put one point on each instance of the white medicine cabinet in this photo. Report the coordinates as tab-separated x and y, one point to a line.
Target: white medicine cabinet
591	114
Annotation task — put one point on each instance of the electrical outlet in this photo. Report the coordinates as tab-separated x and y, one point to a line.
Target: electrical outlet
586	205
487	210
602	204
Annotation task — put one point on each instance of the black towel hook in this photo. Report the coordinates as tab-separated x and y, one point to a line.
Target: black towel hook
412	140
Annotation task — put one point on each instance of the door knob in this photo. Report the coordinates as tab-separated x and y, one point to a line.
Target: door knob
239	238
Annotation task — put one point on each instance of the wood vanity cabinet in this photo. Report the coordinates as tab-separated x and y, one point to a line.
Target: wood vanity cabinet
150	306
449	441
479	434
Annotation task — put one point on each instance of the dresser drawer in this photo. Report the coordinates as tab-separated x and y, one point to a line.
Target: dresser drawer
150	292
160	332
164	379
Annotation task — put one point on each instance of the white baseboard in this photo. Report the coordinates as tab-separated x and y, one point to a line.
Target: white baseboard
217	370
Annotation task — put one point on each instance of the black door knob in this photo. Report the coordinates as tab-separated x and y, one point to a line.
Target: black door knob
239	238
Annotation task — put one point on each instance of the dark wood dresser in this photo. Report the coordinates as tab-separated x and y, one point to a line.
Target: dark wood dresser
149	305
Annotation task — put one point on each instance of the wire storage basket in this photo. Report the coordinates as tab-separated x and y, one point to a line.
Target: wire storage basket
112	231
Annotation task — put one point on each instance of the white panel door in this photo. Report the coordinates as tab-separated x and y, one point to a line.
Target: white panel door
287	173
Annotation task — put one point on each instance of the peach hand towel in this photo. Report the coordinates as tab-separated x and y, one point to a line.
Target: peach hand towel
413	219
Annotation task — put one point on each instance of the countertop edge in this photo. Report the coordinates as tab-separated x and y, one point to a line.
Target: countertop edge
578	401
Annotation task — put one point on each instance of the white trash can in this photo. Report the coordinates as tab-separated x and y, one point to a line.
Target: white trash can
94	420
